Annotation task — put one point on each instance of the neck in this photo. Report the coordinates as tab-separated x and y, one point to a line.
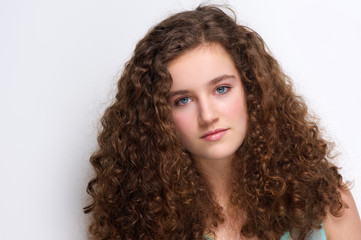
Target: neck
217	173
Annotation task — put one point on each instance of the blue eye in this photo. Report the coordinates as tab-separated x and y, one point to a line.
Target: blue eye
182	101
222	89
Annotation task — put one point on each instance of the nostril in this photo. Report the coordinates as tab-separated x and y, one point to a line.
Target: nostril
207	118
207	112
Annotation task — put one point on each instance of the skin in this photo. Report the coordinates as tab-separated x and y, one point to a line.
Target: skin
347	226
206	95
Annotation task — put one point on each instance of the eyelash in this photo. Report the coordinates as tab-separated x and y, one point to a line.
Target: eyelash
178	101
226	89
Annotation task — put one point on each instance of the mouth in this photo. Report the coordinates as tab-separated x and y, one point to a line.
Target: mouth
214	135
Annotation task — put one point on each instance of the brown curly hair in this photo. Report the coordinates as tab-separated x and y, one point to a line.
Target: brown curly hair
146	185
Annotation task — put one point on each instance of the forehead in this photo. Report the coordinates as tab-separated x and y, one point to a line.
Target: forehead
201	64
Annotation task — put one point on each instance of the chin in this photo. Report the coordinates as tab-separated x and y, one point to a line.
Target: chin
218	156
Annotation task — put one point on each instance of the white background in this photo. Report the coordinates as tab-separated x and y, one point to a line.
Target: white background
60	60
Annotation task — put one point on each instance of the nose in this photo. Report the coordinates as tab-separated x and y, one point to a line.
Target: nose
207	112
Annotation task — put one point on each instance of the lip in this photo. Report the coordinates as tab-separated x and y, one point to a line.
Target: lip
214	135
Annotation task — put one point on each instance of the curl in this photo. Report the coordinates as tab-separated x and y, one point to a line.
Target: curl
146	185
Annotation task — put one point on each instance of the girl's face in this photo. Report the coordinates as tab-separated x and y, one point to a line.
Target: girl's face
208	102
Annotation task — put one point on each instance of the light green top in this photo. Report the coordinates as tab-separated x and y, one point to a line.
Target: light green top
315	234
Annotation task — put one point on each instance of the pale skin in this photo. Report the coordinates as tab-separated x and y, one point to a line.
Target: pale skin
346	227
210	114
207	90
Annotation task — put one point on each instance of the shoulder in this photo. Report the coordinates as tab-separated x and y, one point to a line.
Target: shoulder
348	225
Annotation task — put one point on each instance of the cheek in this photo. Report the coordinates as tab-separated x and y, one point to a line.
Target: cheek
182	122
236	110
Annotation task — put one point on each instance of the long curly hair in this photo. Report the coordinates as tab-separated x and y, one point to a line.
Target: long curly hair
146	185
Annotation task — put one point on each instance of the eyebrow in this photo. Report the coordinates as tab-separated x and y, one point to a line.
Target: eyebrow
214	81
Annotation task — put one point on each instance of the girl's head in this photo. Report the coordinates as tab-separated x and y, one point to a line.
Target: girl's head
208	102
202	31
